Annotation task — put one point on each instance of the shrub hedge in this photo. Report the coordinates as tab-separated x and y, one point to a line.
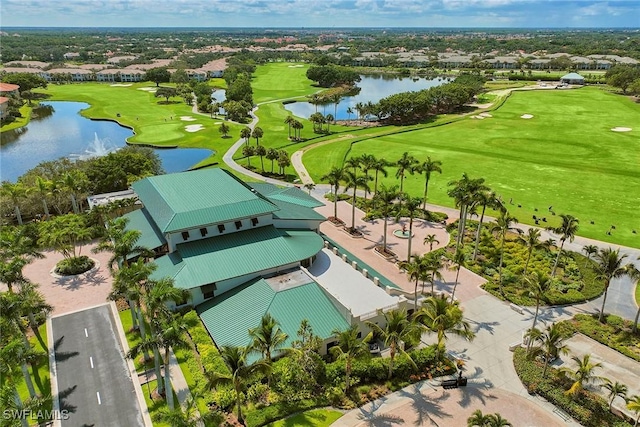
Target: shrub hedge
588	408
74	265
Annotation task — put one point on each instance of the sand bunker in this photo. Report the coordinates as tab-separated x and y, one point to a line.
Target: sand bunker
217	123
526	116
187	119
478	117
120	85
193	128
148	89
621	129
485	115
296	66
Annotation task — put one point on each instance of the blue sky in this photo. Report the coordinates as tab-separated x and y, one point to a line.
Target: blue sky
320	13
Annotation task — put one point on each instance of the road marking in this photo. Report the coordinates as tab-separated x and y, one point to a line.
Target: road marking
91	360
99	401
86	334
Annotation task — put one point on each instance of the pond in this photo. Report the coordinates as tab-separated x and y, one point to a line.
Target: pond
372	89
57	130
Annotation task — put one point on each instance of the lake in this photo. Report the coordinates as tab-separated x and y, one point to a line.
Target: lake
372	88
58	130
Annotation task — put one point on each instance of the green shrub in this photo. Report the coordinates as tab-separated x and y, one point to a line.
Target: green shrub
276	411
74	265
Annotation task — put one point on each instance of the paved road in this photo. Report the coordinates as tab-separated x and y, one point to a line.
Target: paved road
93	380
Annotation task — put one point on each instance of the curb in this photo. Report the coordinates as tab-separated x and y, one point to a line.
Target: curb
57	420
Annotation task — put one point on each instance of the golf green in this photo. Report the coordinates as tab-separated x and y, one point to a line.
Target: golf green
565	157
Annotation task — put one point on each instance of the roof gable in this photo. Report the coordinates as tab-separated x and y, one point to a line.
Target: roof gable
190	199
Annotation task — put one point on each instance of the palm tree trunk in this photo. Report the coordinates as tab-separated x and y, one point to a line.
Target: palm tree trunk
392	356
433	283
353	210
156	362
237	387
501	261
18	215
134	317
46	209
74	203
604	301
143	332
410	238
401	182
27	379
34	327
555	264
535	319
347	376
475	249
167	379
526	264
415	295
455	284
424	199
335	203
384	235
16	398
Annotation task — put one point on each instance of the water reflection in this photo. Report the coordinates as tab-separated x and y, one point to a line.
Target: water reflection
372	89
58	130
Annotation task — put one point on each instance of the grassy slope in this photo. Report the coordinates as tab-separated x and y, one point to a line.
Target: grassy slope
566	156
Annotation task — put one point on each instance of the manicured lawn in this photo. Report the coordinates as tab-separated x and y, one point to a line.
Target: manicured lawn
153	121
313	418
638	294
281	80
566	156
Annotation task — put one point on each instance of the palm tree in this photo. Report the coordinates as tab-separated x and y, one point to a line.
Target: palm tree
551	345
122	243
12	271
609	266
246	134
75	181
43	188
440	316
410	206
349	112
540	283
567	231
406	164
428	167
32	303
488	199
172	335
185	416
289	121
261	151
367	163
317	119
397	330
309	186
386	197
464	193
16	192
478	419
430	239
348	347
379	167
272	154
329	118
257	134
15	351
531	240
352	181
434	265
633	404
334	177
589	251
615	389
459	258
416	270
297	127
582	375
240	372
353	163
248	151
635	275
502	225
267	337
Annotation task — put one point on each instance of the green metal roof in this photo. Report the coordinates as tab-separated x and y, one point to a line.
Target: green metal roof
192	199
295	211
150	236
229	316
286	194
231	255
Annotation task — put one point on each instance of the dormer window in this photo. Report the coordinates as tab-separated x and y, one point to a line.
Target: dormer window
254	221
204	232
185	235
238	225
221	228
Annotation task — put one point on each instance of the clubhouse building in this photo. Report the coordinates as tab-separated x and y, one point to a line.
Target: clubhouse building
246	249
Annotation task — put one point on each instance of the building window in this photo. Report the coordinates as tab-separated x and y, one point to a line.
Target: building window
238	225
204	232
254	221
220	228
185	235
208	291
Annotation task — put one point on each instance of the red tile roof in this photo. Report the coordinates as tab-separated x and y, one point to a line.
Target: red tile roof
8	87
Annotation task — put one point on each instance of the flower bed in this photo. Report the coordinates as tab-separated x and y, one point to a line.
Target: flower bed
75	265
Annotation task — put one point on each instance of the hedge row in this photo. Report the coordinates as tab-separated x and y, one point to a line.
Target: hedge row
588	408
